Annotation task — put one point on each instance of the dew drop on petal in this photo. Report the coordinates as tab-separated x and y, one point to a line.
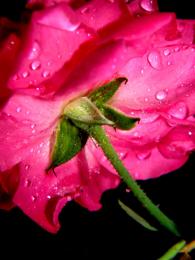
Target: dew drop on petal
147	5
85	10
35	52
35	65
68	198
143	155
161	95
18	109
27	183
177	48
179	110
16	77
31	150
154	60
172	151
122	155
48	197
34	198
190	133
25	74
45	74
27	166
142	71
166	52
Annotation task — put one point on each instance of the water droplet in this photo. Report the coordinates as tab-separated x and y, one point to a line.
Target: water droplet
123	155
147	5
154	60
142	71
143	155
27	167
179	110
48	197
146	99
35	65
34	198
189	133
41	145
85	10
35	51
18	109
45	74
161	95
169	63
16	77
177	49
171	150
25	74
32	126
27	183
166	52
68	198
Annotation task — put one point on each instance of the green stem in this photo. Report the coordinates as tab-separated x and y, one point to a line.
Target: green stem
99	135
173	251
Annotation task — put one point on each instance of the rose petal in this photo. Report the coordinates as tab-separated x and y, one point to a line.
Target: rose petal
39	58
186	28
158	78
22	126
8	52
9	181
95	179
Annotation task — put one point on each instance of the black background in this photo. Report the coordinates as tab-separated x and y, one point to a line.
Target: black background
108	233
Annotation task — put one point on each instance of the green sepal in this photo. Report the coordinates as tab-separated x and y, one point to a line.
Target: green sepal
104	94
83	110
120	120
68	141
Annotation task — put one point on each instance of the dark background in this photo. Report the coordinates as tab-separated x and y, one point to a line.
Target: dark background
108	233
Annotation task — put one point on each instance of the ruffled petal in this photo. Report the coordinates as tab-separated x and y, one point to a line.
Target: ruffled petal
23	126
52	38
158	78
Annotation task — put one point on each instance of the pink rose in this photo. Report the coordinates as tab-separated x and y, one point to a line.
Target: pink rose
65	51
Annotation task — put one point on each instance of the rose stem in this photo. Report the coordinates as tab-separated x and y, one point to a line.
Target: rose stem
100	136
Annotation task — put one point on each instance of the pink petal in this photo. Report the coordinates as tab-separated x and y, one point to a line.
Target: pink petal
93	13
8	52
142	7
186	29
158	78
22	126
9	181
40	194
53	37
95	178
